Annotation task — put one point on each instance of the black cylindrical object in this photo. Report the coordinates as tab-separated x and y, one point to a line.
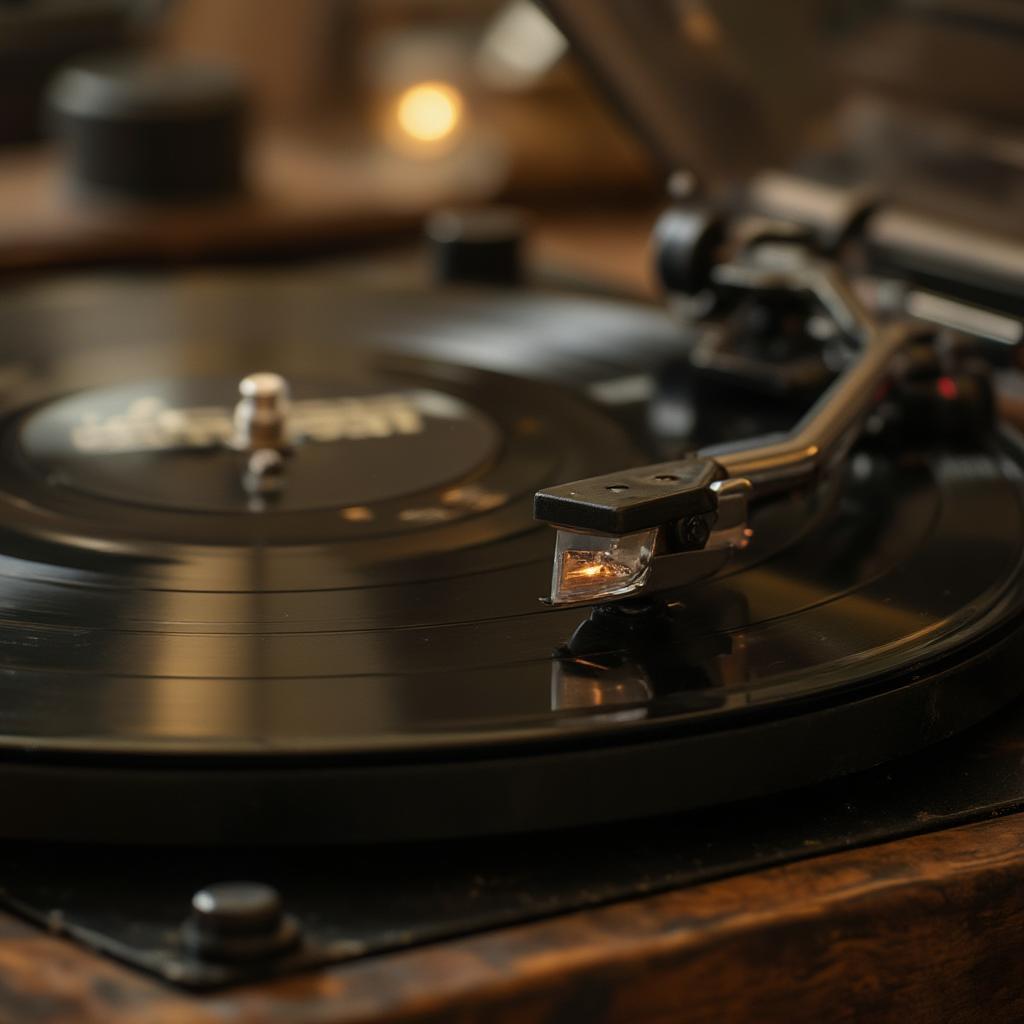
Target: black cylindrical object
686	238
150	129
238	922
482	245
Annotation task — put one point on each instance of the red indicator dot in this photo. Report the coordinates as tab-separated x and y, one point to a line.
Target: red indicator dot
947	389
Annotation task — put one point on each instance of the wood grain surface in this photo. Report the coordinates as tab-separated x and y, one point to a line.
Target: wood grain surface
925	929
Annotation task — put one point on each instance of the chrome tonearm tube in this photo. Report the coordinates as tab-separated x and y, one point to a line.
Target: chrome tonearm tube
692	512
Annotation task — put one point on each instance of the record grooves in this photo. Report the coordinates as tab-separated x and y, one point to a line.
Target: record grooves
354	649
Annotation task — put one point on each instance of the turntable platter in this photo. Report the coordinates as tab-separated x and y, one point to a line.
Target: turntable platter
364	655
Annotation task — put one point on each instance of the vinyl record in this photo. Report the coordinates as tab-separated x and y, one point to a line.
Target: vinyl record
361	654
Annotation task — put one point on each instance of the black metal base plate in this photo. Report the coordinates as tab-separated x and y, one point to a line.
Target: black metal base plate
364	900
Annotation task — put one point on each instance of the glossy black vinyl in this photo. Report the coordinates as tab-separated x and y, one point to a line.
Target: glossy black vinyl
290	676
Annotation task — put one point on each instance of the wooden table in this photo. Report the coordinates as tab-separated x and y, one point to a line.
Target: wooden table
925	929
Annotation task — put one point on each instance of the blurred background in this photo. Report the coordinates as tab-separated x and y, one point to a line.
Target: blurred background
157	130
350	119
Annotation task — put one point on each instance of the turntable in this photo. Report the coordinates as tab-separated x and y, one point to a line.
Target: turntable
328	578
251	577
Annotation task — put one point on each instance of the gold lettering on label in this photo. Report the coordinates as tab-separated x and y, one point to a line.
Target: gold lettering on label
148	424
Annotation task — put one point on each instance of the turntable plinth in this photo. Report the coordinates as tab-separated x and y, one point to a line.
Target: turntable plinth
927	928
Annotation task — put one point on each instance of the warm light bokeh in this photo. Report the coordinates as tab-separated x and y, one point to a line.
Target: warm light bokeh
430	111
